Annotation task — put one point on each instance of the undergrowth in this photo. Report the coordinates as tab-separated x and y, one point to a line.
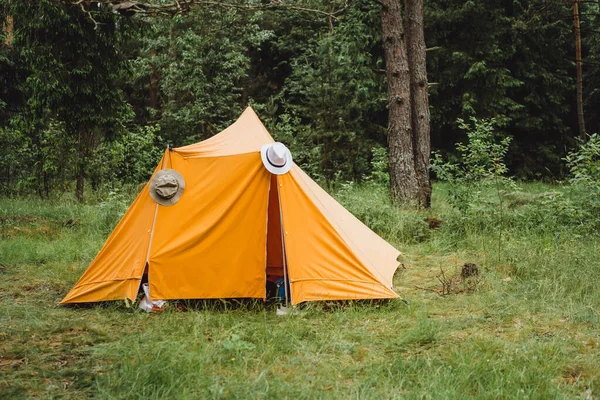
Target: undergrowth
529	329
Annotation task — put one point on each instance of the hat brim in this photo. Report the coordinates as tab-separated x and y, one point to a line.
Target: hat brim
160	200
273	168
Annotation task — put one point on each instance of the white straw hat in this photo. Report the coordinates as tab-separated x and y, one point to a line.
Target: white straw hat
276	158
167	187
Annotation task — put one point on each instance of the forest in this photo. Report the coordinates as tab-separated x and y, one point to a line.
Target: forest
93	94
464	133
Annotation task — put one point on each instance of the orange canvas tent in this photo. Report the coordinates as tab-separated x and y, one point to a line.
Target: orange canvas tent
234	224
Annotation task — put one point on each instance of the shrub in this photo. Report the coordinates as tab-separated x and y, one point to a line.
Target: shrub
477	182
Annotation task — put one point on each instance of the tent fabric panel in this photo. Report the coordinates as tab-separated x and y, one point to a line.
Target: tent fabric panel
246	135
317	252
313	290
274	244
104	291
377	254
123	256
212	242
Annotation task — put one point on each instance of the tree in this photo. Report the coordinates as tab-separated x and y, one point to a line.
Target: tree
70	73
408	122
518	69
419	87
577	26
408	134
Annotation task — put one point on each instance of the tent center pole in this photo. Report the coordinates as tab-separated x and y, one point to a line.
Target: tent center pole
164	165
284	256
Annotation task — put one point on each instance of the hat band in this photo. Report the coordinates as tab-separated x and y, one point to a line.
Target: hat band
273	164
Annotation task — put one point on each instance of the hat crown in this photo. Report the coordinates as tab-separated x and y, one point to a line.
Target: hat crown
277	154
166	186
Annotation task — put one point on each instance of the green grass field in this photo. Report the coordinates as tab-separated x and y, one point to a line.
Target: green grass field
527	327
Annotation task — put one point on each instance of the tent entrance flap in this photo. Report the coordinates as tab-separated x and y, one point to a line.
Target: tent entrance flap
274	243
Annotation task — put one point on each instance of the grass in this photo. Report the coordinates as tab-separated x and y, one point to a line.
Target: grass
529	328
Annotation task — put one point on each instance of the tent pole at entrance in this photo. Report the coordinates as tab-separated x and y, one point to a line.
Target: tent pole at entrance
288	296
167	156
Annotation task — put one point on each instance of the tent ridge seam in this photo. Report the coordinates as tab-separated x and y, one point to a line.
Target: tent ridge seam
219	156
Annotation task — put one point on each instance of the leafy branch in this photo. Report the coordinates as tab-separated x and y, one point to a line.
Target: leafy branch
130	8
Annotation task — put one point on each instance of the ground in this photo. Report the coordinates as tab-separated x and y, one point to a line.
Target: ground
528	326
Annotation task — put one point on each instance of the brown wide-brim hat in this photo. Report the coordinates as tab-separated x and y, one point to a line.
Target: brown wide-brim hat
166	187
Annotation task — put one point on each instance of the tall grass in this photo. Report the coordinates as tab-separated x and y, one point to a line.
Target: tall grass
530	329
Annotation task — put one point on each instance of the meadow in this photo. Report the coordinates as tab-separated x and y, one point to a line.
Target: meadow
526	326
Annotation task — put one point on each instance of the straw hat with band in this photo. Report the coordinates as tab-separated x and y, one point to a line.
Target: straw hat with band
276	158
166	187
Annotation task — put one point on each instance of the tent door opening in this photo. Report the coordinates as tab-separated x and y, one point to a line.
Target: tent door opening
277	276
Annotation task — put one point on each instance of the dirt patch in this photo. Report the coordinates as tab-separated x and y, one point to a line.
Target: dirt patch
468	280
31	227
20	219
53	290
434	222
11	363
46	232
572	375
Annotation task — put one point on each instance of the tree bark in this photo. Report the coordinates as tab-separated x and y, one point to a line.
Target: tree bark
580	116
417	65
404	185
8	28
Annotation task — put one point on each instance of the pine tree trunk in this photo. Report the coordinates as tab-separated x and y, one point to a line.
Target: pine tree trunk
419	98
403	180
8	27
580	117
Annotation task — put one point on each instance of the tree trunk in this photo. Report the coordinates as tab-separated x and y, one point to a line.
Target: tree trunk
580	118
404	186
419	98
8	27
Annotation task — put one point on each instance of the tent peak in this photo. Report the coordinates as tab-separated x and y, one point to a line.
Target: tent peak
246	135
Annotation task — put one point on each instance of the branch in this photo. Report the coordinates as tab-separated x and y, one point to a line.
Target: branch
89	14
129	8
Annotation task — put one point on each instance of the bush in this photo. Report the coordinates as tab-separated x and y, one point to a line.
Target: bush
584	176
480	172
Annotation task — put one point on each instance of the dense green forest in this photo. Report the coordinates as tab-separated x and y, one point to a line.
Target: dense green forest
94	92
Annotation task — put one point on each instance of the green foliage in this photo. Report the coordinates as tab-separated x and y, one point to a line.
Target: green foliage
336	96
111	210
380	166
509	61
66	93
197	71
37	157
481	165
584	168
128	159
584	164
73	92
370	202
534	336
